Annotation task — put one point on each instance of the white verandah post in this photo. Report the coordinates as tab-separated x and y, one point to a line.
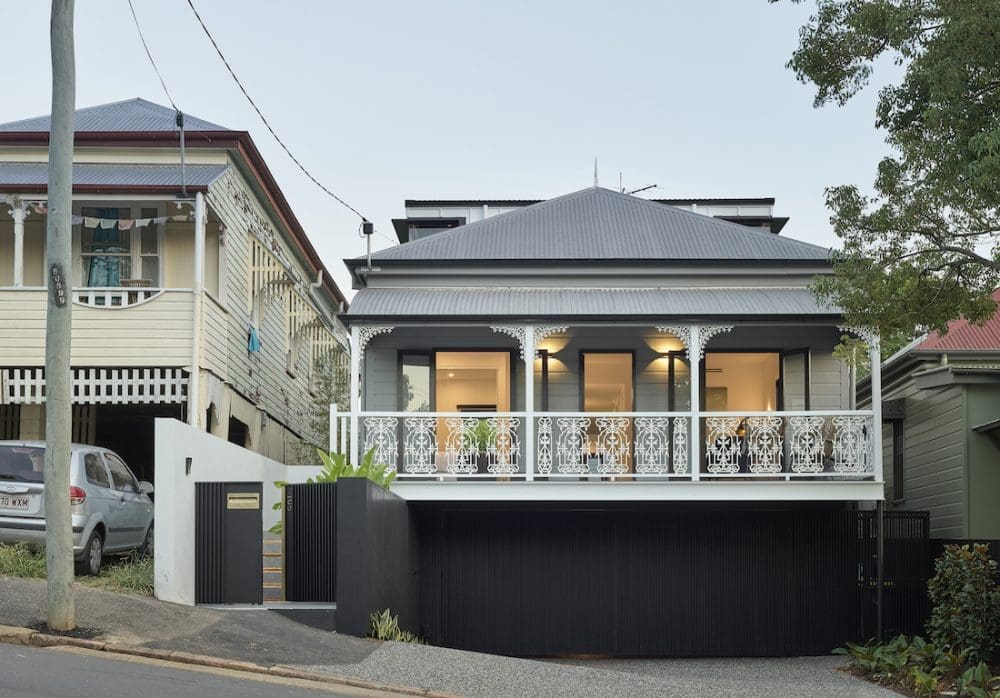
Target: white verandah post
694	362
355	392
18	212
875	349
529	402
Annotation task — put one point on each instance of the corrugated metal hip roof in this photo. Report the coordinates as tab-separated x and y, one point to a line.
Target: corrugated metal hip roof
93	174
601	224
497	303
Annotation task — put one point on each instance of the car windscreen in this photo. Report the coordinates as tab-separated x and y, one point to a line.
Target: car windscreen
22	463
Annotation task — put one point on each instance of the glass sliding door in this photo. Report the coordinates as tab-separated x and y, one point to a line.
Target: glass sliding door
607	386
741	381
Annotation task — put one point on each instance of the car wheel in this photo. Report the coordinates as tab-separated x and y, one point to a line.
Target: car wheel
93	556
146	549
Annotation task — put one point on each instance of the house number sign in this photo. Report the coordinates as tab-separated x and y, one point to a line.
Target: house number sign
58	285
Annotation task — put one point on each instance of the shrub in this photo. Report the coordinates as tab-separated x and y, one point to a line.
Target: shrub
335	466
385	626
966	598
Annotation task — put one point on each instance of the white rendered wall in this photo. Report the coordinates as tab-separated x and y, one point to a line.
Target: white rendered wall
212	460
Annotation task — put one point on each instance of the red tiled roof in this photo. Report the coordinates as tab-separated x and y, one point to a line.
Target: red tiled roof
962	335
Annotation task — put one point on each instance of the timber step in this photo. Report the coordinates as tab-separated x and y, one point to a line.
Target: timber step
272	563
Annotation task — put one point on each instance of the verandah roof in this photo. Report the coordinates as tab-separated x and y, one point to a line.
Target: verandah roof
585	303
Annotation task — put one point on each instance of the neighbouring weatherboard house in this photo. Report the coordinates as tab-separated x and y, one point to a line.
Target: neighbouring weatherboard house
196	292
941	440
619	425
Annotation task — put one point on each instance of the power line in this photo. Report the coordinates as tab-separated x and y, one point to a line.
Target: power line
150	57
264	120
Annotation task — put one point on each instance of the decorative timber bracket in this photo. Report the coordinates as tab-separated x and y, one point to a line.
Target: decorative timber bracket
539	333
366	333
705	333
869	335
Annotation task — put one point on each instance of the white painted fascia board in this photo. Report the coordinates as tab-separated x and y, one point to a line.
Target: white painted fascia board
703	491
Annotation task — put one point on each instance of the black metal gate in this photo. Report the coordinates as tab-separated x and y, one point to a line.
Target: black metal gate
228	542
310	546
905	606
662	581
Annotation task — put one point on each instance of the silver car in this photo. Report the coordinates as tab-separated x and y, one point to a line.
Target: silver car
111	510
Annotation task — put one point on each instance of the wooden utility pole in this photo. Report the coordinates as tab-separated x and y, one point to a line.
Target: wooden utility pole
58	384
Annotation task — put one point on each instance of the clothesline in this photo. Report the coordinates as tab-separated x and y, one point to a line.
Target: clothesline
119	223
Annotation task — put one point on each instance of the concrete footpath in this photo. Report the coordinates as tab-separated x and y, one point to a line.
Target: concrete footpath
265	642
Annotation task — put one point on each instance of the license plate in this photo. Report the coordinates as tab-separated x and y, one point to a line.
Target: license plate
13	502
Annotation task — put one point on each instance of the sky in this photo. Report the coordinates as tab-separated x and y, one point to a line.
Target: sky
385	101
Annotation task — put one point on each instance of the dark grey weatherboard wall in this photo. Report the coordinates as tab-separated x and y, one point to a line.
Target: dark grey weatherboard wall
377	557
651	580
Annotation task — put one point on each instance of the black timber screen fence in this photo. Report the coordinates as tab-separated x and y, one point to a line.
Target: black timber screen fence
310	542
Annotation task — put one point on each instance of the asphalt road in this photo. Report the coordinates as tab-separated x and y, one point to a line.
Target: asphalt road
31	671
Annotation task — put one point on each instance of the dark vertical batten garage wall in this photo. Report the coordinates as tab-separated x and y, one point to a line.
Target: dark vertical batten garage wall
651	581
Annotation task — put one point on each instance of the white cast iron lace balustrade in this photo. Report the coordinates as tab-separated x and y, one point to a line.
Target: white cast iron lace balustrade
380	434
764	444
613	445
573	445
420	445
806	444
652	445
722	444
630	445
851	444
503	447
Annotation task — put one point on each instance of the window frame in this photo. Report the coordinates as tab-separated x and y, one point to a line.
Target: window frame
135	255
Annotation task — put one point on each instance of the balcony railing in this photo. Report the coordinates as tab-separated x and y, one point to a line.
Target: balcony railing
122	297
622	445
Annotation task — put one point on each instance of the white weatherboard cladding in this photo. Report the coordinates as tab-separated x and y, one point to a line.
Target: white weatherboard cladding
105	337
260	376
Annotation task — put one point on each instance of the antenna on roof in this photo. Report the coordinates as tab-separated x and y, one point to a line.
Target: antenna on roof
595	173
636	191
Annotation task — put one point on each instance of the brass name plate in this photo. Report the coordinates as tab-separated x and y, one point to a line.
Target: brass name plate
242	500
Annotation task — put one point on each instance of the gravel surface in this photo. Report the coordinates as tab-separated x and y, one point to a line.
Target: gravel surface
474	674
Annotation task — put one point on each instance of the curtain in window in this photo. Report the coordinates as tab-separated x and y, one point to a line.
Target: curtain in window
106	269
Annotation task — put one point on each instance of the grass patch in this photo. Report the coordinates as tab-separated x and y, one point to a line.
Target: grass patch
128	575
19	561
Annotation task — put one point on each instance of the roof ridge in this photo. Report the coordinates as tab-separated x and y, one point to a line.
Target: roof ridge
464	228
742	228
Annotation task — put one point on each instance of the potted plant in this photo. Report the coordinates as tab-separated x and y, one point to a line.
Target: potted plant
484	435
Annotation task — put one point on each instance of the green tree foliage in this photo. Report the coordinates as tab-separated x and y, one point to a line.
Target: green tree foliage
924	249
331	386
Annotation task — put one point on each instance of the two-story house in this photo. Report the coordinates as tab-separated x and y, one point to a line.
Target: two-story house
619	427
196	292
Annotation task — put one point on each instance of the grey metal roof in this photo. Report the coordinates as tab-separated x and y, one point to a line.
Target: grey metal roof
129	115
92	174
600	224
493	303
